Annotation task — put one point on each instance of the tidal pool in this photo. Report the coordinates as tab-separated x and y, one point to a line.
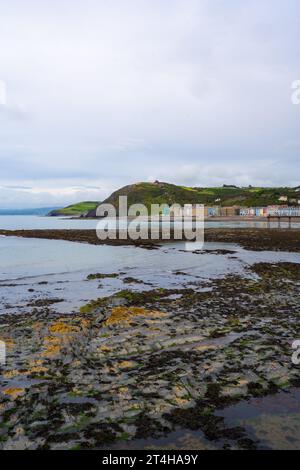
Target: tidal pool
273	420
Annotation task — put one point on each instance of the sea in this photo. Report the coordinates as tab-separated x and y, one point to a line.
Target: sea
32	269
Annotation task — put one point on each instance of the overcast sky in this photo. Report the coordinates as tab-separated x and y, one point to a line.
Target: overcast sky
98	94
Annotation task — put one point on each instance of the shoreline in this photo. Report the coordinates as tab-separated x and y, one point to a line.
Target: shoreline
217	218
257	239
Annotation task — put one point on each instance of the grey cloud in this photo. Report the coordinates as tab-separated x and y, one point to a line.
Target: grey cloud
194	92
13	187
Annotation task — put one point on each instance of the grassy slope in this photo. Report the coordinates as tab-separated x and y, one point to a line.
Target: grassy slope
153	193
148	193
76	209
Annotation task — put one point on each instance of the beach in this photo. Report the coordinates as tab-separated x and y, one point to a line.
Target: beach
118	347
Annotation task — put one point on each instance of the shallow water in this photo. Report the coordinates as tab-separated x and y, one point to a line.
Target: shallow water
32	269
28	222
176	440
273	420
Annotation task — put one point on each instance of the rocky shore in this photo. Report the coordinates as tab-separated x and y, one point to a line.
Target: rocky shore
257	239
141	366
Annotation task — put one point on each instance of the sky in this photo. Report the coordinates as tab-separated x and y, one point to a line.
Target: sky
95	95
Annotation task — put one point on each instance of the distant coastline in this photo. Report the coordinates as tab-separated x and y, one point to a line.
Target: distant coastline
31	211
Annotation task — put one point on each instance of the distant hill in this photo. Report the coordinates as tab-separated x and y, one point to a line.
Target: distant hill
80	209
159	193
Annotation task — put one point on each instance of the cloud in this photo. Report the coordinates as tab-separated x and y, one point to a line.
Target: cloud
264	173
114	92
2	93
13	187
127	145
48	196
7	109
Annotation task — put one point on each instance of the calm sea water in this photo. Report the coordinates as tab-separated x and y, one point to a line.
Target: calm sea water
32	269
27	222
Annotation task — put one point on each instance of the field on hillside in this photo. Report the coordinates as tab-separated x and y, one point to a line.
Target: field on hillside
76	209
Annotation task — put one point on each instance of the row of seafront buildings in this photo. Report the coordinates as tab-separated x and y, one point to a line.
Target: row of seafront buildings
192	210
236	211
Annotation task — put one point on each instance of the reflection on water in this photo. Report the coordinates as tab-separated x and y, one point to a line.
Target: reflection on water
18	222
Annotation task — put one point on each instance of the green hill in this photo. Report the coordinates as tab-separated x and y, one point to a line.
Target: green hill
82	208
159	193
